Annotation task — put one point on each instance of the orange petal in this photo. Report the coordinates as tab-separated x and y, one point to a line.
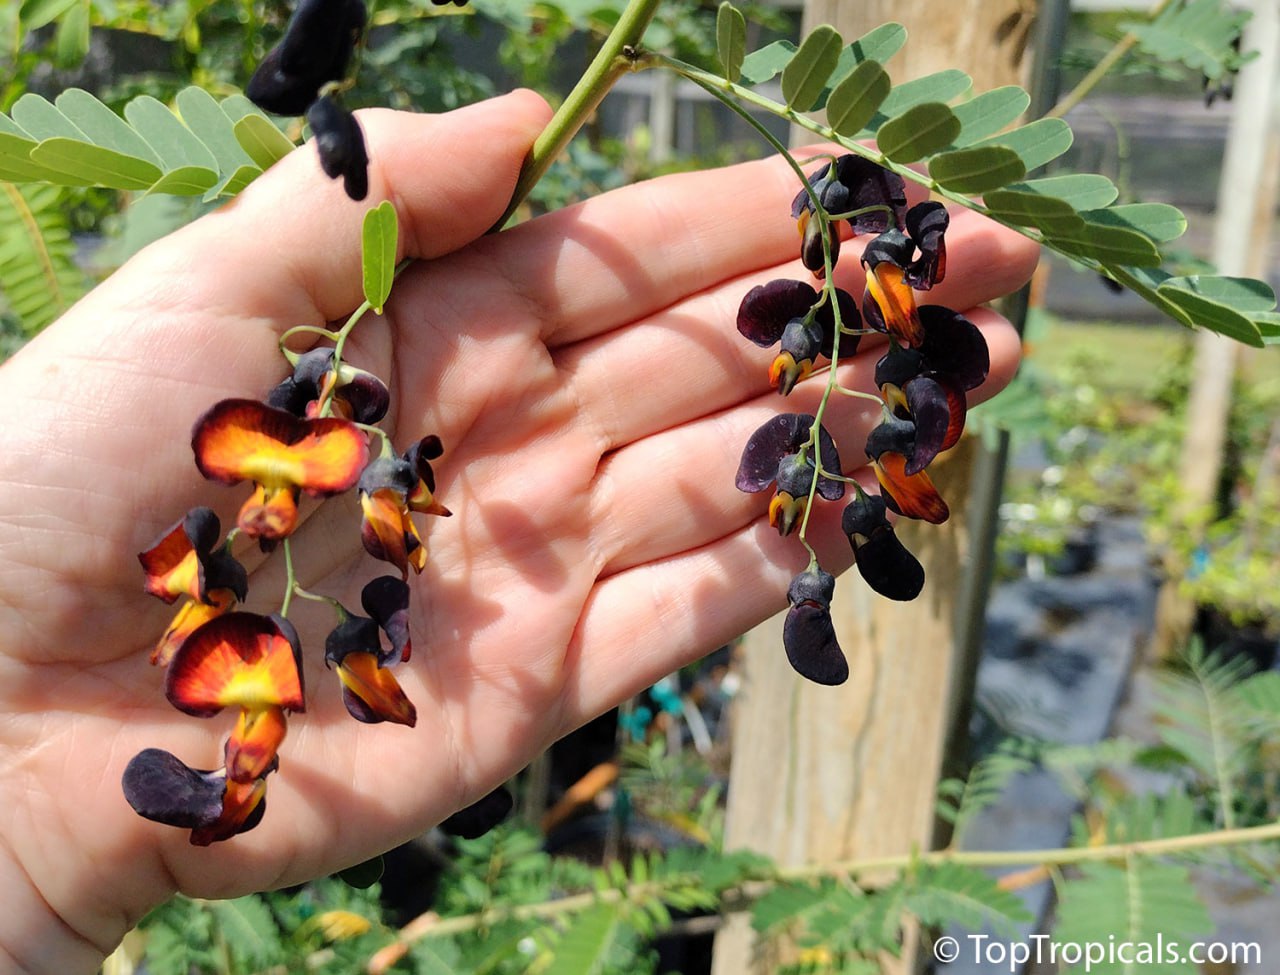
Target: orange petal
387	531
786	512
190	618
371	693
897	303
914	495
251	749
269	512
172	566
237	659
242	805
239	440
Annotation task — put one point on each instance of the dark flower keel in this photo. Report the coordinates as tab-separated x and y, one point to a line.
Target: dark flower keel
808	635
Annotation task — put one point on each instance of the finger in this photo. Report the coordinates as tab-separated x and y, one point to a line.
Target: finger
695	362
291	240
674	491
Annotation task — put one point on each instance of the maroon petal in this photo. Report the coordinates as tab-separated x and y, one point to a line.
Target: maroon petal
386	600
849	318
161	787
883	562
926	224
953	346
771	442
809	638
931	413
870	184
768	308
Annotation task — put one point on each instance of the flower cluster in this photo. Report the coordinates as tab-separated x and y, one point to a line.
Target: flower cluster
311	436
935	356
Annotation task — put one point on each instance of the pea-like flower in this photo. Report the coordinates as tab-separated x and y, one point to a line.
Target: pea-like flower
356	394
239	439
924	384
808	634
789	312
247	661
882	560
772	456
161	787
390	489
853	183
370	691
188	561
315	50
893	270
891	448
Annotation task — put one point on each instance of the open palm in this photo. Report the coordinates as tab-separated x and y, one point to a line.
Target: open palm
584	375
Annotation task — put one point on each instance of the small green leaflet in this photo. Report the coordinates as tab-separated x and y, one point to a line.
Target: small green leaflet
1026	209
72	41
1199	34
987	114
731	40
806	74
1212	315
941	86
855	100
977	170
34	14
265	144
763	65
1107	245
1083	191
1244	294
378	253
585	945
1159	221
880	44
918	132
1037	143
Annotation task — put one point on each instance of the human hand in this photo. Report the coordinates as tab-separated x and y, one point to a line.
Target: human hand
593	397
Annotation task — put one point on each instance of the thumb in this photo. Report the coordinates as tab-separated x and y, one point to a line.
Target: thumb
293	236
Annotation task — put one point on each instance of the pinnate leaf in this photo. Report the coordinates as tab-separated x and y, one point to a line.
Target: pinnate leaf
854	100
1038	143
977	170
378	253
806	74
763	65
987	114
918	132
731	40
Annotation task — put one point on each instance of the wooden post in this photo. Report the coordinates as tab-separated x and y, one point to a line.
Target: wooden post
1245	218
822	774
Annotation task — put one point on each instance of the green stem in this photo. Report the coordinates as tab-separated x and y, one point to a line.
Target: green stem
614	59
1090	81
291	579
754	890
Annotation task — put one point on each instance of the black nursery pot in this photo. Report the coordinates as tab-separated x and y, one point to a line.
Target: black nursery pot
1231	640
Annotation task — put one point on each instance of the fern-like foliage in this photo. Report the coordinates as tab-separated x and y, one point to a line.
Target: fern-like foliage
1199	34
201	146
959	800
966	147
1143	903
39	278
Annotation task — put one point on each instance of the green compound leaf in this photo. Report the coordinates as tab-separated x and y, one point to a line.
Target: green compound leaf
261	140
39	278
1107	245
95	165
378	253
731	40
952	893
987	114
1159	221
854	100
806	75
918	132
1198	34
1038	143
174	144
978	170
1084	191
1211	314
584	947
101	126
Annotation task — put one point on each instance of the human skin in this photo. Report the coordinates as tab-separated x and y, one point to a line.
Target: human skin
593	396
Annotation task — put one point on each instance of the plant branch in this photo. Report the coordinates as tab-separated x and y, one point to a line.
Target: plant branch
1109	60
611	62
432	926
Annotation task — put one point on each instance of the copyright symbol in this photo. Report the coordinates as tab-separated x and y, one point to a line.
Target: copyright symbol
946	950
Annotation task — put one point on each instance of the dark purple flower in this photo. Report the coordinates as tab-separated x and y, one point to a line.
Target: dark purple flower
882	560
808	635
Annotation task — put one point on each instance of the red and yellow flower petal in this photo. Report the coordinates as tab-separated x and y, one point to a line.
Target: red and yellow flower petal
190	618
912	495
239	440
238	659
387	530
242	806
251	749
785	372
897	303
172	566
270	513
371	693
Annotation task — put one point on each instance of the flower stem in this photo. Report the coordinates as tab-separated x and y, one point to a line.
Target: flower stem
614	59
